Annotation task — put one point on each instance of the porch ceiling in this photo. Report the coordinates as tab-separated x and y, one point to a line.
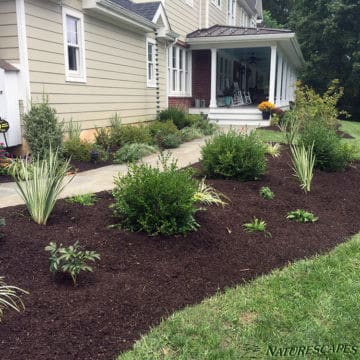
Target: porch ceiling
227	37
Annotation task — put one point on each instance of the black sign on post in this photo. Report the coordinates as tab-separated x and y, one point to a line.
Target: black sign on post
4	127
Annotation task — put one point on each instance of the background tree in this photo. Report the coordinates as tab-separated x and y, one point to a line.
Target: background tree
280	10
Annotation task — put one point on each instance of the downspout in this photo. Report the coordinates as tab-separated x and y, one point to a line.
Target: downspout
157	75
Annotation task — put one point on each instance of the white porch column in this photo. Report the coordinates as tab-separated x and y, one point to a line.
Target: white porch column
213	103
283	87
272	75
279	80
288	84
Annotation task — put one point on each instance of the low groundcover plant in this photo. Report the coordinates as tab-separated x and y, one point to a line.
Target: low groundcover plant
84	200
71	260
257	225
301	216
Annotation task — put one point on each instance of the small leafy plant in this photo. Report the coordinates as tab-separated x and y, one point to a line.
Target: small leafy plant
301	216
71	260
2	224
273	149
303	165
257	225
84	199
10	297
133	152
266	193
207	195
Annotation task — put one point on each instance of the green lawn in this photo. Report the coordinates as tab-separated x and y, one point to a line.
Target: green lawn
312	305
309	310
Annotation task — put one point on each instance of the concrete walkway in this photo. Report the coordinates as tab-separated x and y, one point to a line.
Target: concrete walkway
101	179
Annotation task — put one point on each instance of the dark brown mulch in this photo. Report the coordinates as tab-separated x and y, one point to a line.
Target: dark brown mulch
141	279
342	134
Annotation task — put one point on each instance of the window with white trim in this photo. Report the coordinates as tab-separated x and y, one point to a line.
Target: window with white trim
179	71
150	62
217	3
74	45
231	12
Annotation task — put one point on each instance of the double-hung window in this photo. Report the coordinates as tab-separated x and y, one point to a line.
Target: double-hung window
151	62
74	48
231	12
217	3
179	70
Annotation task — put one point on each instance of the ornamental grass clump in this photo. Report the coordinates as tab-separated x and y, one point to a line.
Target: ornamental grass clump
10	297
303	165
208	195
40	183
155	200
234	155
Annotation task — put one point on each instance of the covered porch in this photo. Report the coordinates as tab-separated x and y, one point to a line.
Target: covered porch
249	65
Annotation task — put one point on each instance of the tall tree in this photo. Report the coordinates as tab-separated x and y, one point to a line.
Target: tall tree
280	9
329	35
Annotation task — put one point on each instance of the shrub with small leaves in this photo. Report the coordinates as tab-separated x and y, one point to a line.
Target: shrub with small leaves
42	130
266	193
77	149
70	260
171	141
84	199
160	132
10	297
154	200
301	216
133	152
234	155
176	115
190	133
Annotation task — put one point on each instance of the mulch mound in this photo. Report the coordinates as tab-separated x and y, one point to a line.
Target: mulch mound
141	279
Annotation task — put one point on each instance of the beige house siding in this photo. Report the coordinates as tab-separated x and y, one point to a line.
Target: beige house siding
217	16
9	44
115	66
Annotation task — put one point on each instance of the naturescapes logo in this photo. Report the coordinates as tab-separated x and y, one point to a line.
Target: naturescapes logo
306	350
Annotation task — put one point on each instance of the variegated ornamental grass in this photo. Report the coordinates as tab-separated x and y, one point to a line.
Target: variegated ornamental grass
40	184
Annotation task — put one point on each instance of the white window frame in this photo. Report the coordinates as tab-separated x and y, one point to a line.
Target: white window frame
151	82
80	74
231	16
184	72
190	2
217	3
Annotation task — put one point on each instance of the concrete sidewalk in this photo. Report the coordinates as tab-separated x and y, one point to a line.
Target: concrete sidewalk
101	179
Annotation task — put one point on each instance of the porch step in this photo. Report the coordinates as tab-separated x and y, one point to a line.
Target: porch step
237	116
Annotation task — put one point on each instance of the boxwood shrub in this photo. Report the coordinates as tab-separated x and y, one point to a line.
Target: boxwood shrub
233	155
156	201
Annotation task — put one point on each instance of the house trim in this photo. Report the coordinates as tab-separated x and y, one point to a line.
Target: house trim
23	52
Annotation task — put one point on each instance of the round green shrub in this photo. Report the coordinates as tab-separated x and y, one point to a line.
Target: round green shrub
233	155
77	149
178	117
129	134
159	131
190	133
171	141
330	154
156	201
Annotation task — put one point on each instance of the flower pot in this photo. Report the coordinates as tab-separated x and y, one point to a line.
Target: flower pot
228	101
266	115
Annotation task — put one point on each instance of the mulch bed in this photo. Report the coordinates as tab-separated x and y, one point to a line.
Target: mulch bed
342	134
142	279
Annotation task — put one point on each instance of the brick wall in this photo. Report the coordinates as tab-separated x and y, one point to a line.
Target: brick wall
201	75
181	102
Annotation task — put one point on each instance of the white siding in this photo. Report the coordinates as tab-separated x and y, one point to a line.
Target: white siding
9	45
218	16
115	62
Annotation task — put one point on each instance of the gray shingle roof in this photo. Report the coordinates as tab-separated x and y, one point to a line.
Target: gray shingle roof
219	30
252	4
146	10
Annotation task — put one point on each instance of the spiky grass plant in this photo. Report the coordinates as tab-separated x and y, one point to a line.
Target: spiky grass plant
257	225
40	183
273	149
266	193
10	297
303	165
207	195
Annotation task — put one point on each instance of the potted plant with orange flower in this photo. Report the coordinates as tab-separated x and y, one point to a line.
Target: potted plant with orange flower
266	107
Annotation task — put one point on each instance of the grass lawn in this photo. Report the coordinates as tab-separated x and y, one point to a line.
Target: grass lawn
311	305
307	310
271	136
